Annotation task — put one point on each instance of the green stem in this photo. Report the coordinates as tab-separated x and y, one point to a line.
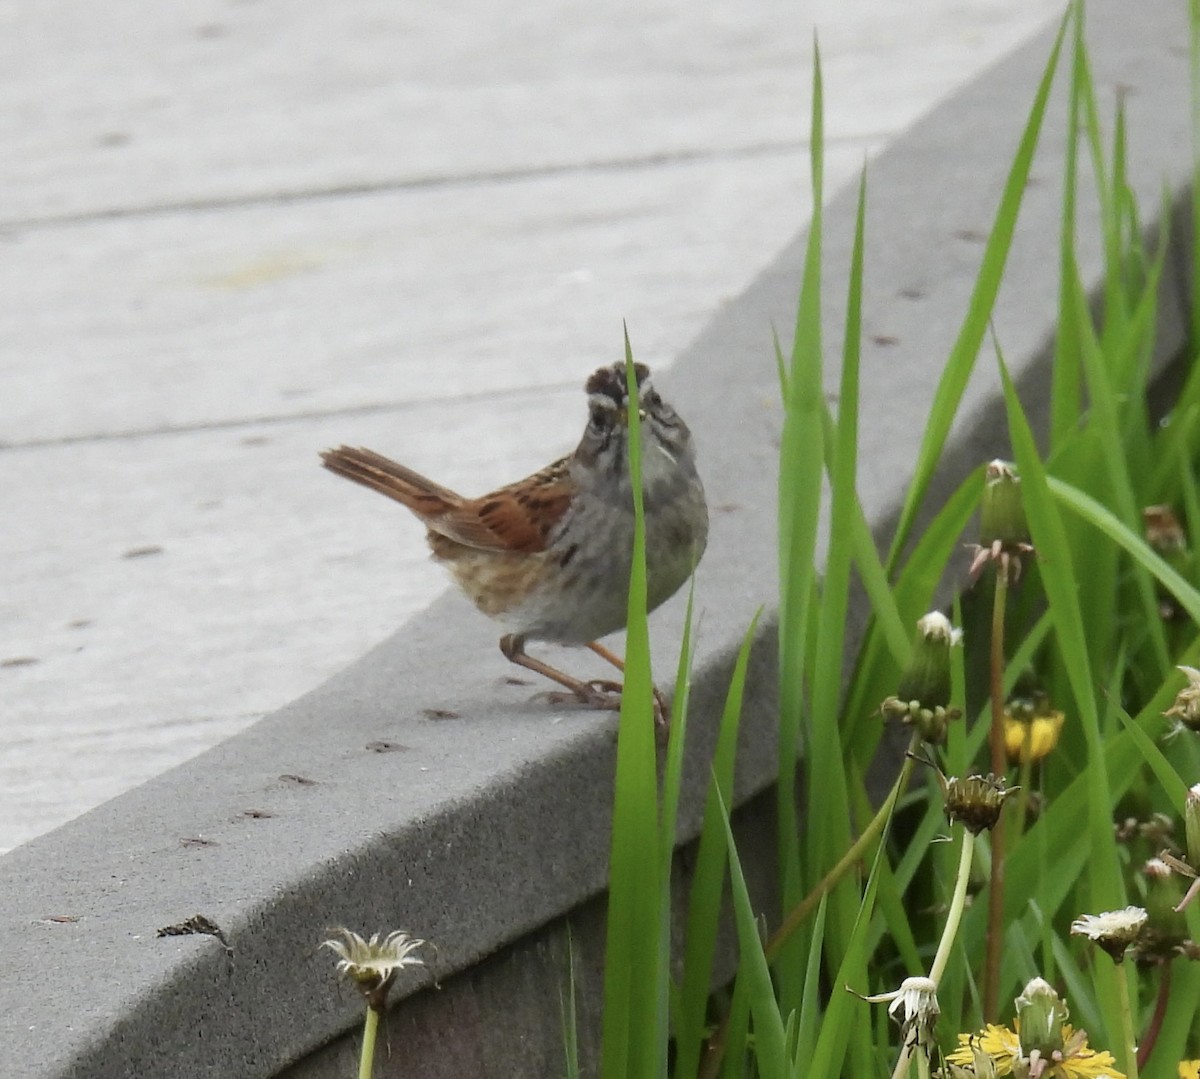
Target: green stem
367	1060
958	904
995	924
901	1068
1024	782
797	915
1131	1061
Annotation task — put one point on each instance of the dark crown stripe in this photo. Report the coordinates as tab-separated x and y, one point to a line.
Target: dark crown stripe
610	382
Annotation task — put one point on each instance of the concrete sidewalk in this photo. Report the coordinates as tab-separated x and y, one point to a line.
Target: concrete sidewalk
237	232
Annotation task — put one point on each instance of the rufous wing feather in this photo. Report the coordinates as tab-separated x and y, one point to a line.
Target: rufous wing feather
519	517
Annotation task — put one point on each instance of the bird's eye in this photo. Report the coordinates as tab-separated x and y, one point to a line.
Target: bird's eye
600	416
658	407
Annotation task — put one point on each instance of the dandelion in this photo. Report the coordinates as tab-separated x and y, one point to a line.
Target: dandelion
1040	1043
914	1006
1001	1046
975	801
1186	708
1003	531
1031	729
969	1061
1191	824
1114	930
372	965
922	698
1165	934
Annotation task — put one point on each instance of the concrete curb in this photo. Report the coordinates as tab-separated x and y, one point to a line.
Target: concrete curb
352	806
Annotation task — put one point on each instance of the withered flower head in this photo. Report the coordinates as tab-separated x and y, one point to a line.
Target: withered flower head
1163	531
976	801
372	965
914	1006
1114	930
1166	537
1186	708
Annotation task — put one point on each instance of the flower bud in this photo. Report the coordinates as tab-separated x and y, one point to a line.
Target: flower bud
1041	1013
1003	531
1166	929
923	696
1191	825
1002	512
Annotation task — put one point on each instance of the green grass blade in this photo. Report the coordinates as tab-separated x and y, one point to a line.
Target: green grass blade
800	474
844	1012
880	661
1176	1039
634	1027
672	784
828	819
770	1039
570	1015
807	1026
1194	66
673	773
739	1039
1066	401
1164	771
1062	590
1103	519
1105	890
1107	423
983	296
705	900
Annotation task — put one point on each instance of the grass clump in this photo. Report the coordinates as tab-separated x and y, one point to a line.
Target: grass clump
1062	797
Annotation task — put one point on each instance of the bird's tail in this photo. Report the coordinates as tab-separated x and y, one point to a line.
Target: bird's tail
424	497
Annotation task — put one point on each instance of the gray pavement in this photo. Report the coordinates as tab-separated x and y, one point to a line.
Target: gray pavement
234	233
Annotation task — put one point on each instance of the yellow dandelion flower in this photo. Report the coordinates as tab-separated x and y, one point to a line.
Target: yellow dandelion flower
1003	1046
1032	739
1189	1069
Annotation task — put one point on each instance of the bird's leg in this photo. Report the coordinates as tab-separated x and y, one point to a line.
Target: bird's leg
597	693
662	709
606	695
606	655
